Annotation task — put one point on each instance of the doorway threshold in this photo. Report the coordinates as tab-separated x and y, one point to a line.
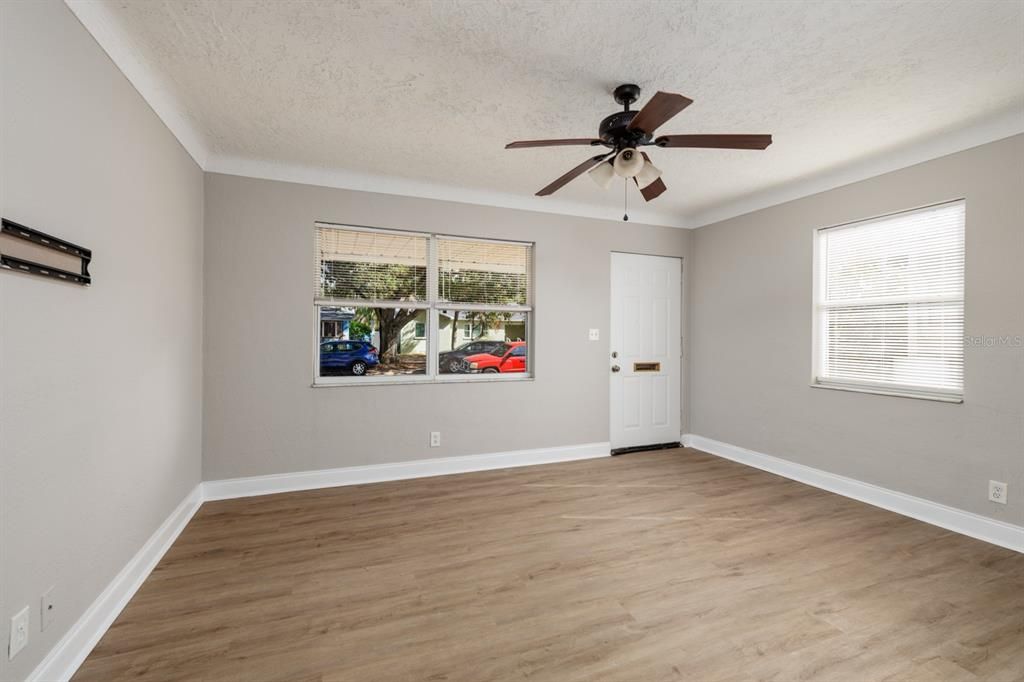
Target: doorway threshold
646	448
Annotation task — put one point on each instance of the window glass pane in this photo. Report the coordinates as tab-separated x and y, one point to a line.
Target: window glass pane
891	302
494	334
902	344
380	342
486	272
918	253
362	265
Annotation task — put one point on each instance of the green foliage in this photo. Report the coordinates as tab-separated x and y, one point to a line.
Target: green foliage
365	316
393	282
478	286
482	321
358	329
382	282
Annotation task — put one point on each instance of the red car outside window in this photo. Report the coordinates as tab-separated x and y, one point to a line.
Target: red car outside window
513	359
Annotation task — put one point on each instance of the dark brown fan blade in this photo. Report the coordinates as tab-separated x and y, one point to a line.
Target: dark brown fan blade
572	175
653	190
580	141
715	141
662	107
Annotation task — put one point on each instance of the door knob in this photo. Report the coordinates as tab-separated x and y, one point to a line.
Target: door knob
615	368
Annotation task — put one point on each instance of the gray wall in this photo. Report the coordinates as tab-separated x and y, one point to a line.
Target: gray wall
751	322
100	387
260	414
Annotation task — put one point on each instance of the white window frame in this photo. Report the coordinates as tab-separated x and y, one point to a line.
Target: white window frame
433	306
817	325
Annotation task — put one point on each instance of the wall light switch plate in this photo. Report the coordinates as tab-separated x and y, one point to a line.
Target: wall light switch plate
997	491
435	439
595	334
19	633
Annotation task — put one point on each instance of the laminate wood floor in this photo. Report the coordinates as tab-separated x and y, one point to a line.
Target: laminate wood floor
673	565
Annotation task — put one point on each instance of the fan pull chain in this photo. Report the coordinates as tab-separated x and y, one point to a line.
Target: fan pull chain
625	199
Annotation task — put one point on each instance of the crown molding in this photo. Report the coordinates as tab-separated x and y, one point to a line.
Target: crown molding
1004	125
106	31
101	23
386	184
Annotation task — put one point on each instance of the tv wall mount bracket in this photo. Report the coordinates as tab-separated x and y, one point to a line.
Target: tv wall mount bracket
13	229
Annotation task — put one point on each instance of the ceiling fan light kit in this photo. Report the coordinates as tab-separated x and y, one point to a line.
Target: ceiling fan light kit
624	132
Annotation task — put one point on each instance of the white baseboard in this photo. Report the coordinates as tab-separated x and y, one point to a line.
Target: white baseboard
959	521
64	659
376	473
69	653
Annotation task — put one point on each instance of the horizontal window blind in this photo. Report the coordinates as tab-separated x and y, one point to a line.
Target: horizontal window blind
483	272
890	302
369	265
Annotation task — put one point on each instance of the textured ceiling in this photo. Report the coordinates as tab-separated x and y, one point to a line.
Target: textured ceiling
431	91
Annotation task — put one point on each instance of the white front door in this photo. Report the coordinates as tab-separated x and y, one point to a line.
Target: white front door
644	360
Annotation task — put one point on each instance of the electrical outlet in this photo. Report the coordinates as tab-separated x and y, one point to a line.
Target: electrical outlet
19	633
595	335
46	609
435	439
997	492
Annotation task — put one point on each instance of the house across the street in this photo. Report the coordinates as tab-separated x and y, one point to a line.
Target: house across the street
508	327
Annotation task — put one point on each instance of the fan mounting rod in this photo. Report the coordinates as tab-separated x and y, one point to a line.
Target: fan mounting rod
626	94
614	130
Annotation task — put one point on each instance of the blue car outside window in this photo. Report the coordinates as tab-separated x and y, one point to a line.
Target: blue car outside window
343	354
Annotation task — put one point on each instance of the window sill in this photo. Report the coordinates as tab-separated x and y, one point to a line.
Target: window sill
892	393
454	379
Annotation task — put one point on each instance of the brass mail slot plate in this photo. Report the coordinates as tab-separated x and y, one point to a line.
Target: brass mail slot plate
646	366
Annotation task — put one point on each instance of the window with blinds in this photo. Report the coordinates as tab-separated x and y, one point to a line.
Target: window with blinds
370	265
483	272
889	304
411	307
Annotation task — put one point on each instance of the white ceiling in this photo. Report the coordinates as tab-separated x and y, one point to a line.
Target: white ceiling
419	97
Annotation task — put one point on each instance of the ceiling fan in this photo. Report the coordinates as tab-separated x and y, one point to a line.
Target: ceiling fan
624	132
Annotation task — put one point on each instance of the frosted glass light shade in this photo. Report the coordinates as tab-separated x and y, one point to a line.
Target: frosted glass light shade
628	163
648	174
602	174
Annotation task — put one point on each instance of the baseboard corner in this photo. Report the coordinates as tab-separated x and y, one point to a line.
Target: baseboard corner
61	662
